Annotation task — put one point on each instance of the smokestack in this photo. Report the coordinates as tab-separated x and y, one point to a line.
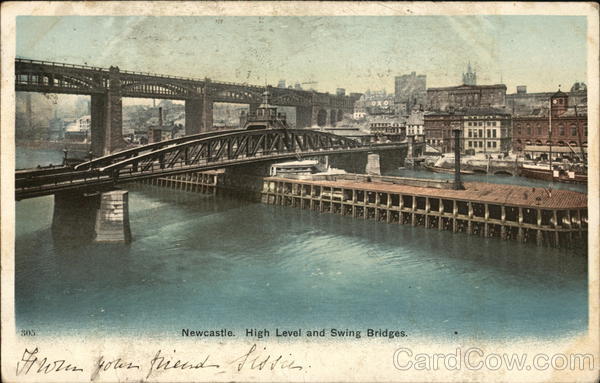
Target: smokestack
160	117
457	182
28	112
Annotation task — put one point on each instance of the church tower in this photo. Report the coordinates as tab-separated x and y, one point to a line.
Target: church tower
470	78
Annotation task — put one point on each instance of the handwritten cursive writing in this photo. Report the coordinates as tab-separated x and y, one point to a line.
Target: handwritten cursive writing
29	359
254	359
160	362
116	364
257	361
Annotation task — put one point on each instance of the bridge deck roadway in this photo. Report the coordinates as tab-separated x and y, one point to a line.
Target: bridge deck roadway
93	179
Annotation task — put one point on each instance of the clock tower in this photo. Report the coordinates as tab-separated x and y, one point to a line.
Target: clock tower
559	102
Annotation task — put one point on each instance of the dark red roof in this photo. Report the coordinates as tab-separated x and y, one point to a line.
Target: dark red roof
482	192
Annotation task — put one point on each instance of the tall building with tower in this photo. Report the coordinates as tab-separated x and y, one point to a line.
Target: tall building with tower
410	91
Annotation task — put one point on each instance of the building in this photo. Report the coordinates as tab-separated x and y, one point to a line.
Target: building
264	117
438	127
79	130
360	110
567	137
410	91
483	130
387	127
486	131
414	124
466	96
377	103
522	103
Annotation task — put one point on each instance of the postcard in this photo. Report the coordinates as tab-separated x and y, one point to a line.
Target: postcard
299	191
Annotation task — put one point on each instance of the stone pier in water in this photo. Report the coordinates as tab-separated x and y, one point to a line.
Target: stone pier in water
102	217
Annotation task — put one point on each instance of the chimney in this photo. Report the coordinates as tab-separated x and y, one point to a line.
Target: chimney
160	118
457	182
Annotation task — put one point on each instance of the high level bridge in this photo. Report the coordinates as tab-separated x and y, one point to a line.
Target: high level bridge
199	152
107	87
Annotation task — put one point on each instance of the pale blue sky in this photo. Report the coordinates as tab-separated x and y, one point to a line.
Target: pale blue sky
351	52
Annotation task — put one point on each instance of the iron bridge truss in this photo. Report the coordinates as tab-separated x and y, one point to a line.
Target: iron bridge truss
191	154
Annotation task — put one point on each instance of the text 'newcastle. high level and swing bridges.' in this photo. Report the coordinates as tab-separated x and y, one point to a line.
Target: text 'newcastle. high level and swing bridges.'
249	159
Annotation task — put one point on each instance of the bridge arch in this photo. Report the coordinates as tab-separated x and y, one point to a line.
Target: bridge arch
290	100
237	96
322	117
61	80
502	173
145	87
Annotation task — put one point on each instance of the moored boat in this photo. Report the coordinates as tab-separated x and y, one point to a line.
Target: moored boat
437	169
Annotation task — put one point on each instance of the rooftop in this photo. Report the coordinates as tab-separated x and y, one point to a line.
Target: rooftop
466	87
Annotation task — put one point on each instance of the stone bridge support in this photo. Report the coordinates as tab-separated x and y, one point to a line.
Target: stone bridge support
373	166
107	117
198	115
102	217
193	115
304	117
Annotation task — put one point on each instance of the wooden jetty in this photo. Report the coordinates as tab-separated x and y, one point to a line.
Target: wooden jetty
524	214
537	215
200	182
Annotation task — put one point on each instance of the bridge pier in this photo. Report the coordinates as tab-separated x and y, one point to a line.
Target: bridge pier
98	107
198	115
74	215
107	117
373	166
103	217
304	118
112	218
193	115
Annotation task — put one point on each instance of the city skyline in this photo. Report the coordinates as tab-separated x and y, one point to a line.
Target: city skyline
356	53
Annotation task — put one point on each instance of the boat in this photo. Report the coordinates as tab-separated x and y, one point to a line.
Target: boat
437	169
567	176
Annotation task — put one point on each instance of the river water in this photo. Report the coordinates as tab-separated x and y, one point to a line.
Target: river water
199	261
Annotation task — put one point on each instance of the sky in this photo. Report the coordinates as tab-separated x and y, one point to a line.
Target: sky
352	52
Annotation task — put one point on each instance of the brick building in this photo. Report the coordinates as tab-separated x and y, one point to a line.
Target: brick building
438	128
532	136
466	96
